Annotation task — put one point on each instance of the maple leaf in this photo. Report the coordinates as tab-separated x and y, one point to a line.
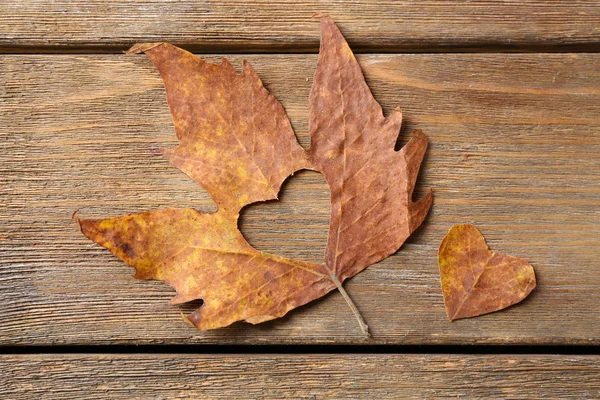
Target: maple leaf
475	280
236	141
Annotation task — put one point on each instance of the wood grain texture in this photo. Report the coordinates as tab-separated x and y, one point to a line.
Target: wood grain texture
514	149
327	376
221	25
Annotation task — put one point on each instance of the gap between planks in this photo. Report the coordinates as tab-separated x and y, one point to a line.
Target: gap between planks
264	26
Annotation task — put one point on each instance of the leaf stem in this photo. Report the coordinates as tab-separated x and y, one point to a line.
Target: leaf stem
361	321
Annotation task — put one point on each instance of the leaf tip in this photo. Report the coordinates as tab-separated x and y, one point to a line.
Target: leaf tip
396	114
87	227
320	16
246	65
227	66
419	210
418	134
187	320
394	122
139	48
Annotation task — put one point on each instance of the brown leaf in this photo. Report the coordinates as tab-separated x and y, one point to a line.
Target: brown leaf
352	144
235	140
476	280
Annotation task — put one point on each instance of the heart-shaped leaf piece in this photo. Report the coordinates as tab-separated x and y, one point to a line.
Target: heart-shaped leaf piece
477	281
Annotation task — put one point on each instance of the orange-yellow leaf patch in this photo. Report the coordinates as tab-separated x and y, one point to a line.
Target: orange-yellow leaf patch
476	280
205	256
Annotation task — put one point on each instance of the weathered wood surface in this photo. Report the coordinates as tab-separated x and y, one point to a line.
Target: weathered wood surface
327	376
375	25
515	149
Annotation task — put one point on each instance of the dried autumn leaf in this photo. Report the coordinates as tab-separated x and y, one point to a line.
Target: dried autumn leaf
477	281
352	144
235	140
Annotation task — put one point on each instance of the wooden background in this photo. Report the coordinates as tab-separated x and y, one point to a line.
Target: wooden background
508	94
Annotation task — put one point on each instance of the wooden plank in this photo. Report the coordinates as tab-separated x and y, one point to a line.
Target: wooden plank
263	25
515	149
354	376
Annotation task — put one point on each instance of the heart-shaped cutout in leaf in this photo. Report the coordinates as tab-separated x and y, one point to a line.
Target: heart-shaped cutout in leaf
476	280
235	140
